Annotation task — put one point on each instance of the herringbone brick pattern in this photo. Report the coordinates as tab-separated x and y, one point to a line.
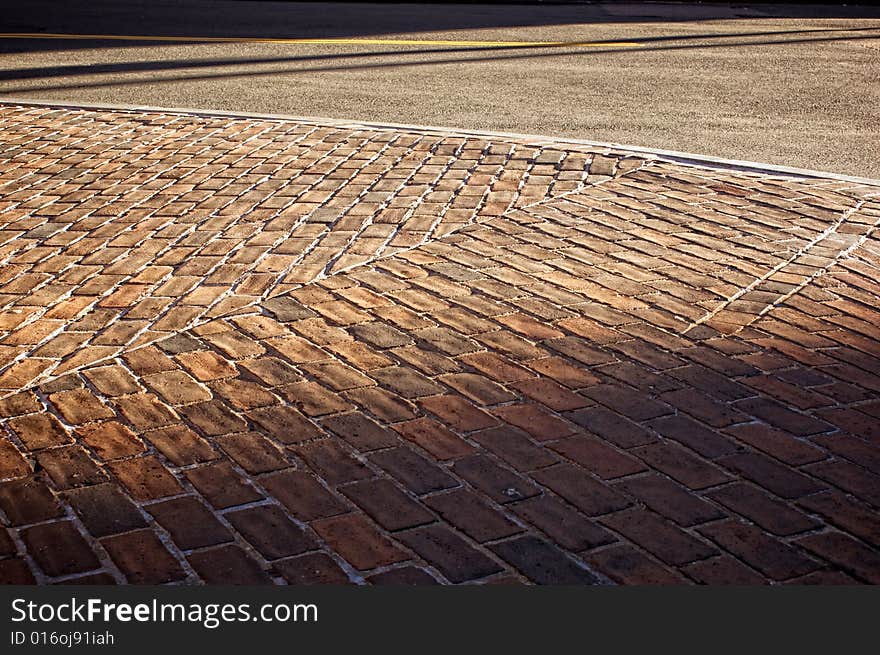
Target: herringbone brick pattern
119	228
668	374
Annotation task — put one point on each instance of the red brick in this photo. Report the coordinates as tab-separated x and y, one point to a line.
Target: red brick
213	418
851	478
498	483
142	558
854	421
852	448
551	394
28	501
268	530
687	432
148	359
841	550
670	499
235	345
228	565
434	438
457	412
382	404
7	546
561	523
358	541
710	358
445	341
496	367
387	505
181	445
679	464
314	400
272	371
704	408
593	454
111	440
611	427
331	461
632	404
16	404
777	443
626	565
80	406
59	549
473	516
787	393
770	556
591	330
667	542
405	382
477	388
105	510
723	570
360	432
303	495
316	568
765	511
529	327
765	472
113	380
243	395
15	572
404	576
39	431
541	562
360	355
221	485
541	424
782	417
12	463
337	376
580	350
145	411
574	484
284	424
449	553
380	335
296	349
514	447
176	387
413	471
846	514
206	365
573	377
33	333
146	478
189	522
823	578
70	466
253	452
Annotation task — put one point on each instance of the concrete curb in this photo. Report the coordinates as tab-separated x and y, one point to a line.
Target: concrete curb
674	156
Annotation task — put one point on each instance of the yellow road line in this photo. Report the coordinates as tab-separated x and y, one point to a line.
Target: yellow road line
423	42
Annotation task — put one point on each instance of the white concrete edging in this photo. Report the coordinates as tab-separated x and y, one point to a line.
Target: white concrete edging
544	140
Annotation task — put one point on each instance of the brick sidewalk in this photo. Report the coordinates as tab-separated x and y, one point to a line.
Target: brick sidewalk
242	350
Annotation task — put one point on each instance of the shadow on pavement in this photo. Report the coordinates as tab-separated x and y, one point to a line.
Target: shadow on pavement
403	58
338	20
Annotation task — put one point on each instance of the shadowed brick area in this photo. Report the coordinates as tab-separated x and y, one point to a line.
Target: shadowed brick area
667	376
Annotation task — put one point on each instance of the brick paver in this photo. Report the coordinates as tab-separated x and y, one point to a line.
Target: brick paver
252	351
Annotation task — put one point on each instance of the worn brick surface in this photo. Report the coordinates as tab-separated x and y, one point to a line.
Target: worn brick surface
275	351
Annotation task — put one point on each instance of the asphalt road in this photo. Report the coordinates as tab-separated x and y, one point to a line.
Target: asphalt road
776	84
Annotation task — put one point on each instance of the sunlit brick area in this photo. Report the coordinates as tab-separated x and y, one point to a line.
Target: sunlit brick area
242	350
